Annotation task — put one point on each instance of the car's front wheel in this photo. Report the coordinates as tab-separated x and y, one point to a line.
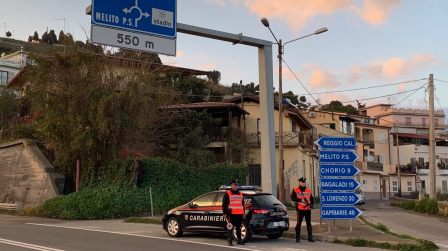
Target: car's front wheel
246	235
173	227
274	236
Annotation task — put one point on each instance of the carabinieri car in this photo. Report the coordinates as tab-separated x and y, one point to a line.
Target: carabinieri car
265	215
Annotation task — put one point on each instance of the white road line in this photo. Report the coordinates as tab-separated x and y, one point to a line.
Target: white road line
441	245
143	236
27	245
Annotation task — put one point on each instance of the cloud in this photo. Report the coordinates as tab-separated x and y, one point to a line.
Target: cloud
376	12
297	13
320	78
391	68
327	98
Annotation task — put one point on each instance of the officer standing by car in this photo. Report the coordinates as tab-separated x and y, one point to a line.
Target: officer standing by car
304	201
233	210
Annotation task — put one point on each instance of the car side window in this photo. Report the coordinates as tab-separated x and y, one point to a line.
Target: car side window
205	201
218	201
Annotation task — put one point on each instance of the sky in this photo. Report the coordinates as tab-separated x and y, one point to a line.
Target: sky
369	42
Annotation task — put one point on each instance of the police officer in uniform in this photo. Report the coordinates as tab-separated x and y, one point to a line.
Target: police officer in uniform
233	210
304	201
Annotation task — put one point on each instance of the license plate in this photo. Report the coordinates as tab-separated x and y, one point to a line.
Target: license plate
280	224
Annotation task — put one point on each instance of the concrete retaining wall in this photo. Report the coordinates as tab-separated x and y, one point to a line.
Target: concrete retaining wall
27	178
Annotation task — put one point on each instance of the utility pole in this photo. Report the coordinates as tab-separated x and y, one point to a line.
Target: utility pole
281	193
398	161
432	141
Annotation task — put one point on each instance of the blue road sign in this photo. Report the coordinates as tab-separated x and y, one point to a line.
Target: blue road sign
338	170
342	199
336	157
340	143
334	184
339	213
152	17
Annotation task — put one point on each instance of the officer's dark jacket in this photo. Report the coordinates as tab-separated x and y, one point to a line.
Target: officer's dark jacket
226	201
295	199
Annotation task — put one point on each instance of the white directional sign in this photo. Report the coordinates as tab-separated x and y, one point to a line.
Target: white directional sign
133	40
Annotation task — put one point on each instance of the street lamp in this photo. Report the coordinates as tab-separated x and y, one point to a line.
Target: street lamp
281	47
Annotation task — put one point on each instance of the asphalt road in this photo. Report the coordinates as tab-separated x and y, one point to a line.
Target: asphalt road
407	222
18	233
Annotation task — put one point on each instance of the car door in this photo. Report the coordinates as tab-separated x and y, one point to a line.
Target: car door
220	222
197	216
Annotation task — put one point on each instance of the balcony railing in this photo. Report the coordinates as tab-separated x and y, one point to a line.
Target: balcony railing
421	125
370	166
290	139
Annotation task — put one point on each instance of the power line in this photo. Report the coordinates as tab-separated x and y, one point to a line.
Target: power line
383	96
444	81
369	87
399	102
304	87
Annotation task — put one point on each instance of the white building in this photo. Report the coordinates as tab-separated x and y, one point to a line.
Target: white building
11	65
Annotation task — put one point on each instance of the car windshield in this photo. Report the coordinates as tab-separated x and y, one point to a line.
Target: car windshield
265	200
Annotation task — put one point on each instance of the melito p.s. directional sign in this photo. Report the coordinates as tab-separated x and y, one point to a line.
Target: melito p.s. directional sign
143	25
340	199
344	170
339	213
143	16
334	184
337	157
336	143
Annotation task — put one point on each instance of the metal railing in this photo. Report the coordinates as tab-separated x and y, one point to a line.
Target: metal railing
291	139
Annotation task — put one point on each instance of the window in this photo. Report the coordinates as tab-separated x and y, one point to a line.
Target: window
409	186
3	77
333	126
205	201
423	121
394	186
218	201
408	121
255	174
436	122
294	126
364	184
444	186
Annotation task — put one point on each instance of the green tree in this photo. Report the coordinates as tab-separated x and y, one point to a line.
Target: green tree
45	37
337	106
52	39
9	109
36	36
214	77
61	37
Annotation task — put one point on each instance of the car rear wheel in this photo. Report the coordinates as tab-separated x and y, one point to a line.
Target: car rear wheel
173	227
274	236
246	235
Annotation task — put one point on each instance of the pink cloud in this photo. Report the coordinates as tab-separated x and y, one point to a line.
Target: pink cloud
320	78
297	13
376	12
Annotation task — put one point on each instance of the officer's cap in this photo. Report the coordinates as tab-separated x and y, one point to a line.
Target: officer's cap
234	182
302	179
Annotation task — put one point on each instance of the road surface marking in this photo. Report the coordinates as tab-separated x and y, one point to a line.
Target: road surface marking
445	246
27	245
143	236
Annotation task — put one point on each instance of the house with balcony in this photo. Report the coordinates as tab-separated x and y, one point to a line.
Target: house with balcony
410	146
11	65
242	114
373	147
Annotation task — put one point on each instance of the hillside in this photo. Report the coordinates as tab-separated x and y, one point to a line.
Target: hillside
8	45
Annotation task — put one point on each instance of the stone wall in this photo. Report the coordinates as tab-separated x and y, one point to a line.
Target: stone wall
27	178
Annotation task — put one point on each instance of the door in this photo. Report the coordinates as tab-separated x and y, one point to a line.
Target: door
383	189
197	214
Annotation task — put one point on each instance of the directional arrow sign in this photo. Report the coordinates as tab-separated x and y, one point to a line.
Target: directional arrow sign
339	213
345	199
336	143
338	170
337	157
328	184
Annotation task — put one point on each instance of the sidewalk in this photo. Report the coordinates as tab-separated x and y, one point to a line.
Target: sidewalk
340	230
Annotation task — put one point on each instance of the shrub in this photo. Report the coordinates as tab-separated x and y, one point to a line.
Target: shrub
171	182
427	205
